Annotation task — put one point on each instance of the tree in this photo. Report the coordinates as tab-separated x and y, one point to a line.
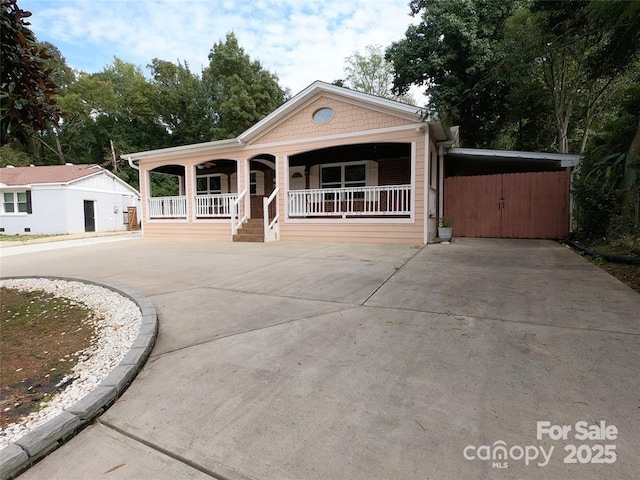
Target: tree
606	198
122	109
47	142
371	73
243	91
27	88
621	48
455	52
182	102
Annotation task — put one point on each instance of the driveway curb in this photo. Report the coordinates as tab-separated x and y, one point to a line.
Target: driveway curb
33	446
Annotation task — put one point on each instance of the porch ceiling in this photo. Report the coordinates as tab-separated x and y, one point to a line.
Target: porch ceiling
368	151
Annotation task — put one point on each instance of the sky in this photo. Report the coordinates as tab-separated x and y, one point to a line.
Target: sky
299	40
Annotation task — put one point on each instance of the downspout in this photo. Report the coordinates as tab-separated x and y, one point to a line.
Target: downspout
132	165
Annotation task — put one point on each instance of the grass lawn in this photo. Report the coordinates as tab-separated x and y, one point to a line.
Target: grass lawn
40	340
23	238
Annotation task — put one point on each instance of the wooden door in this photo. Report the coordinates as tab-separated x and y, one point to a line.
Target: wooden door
516	205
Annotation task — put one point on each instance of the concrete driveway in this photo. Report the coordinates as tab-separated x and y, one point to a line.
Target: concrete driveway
325	361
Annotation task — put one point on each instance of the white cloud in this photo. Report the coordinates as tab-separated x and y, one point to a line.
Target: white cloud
300	40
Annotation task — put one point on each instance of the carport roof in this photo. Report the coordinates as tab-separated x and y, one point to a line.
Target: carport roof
565	159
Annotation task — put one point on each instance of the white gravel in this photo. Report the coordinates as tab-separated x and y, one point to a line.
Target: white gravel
117	323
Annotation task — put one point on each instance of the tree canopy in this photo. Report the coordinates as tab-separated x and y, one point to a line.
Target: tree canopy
371	73
455	52
27	87
243	90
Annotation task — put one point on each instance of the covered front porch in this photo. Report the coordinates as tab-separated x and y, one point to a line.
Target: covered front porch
216	191
351	181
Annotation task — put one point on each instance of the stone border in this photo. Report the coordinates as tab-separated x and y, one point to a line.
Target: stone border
33	446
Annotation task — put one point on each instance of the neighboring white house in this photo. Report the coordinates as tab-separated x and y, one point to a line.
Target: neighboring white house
63	199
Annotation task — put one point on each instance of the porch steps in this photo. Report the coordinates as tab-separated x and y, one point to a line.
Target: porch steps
252	231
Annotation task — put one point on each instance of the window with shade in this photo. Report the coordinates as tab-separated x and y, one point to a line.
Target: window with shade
16	202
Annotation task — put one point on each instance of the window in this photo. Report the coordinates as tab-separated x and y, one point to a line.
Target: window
344	176
253	183
256	182
208	185
323	115
16	202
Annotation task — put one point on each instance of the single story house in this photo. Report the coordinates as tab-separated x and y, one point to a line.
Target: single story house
332	164
63	199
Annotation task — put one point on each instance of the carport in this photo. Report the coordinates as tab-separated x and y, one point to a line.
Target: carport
508	194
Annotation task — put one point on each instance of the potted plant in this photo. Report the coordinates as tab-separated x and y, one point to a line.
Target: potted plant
445	230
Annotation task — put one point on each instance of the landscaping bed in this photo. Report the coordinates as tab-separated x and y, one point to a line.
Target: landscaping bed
42	337
60	339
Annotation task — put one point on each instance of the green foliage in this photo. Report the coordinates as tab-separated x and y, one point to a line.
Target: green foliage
595	194
455	52
13	155
604	184
243	91
163	185
446	222
27	87
371	73
182	102
533	75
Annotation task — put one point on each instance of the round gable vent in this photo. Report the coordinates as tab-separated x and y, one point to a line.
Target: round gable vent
323	115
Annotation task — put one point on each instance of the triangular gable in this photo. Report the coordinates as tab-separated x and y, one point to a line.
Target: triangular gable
353	112
124	186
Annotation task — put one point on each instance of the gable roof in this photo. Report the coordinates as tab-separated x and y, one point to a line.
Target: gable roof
410	112
53	174
15	176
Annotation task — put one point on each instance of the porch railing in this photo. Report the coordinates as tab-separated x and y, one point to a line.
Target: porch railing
215	206
168	207
356	201
238	216
270	224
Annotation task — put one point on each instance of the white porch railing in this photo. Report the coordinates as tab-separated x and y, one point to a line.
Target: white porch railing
215	206
168	207
355	201
238	216
268	225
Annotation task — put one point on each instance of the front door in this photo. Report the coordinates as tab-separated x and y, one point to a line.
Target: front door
89	216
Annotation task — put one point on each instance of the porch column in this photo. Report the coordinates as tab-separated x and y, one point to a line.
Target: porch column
246	184
145	192
189	190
